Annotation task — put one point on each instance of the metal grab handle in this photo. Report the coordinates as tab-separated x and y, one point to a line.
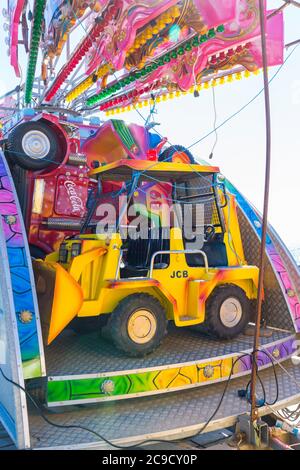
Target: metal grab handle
171	252
122	250
223	187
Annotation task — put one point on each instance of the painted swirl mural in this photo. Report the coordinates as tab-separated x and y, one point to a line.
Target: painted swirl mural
126	385
20	275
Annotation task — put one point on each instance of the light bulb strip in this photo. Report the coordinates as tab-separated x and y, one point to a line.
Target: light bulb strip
161	61
160	23
223	56
88	82
178	93
84	46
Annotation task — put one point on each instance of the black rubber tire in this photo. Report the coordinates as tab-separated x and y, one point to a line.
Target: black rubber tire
17	154
167	154
213	322
119	319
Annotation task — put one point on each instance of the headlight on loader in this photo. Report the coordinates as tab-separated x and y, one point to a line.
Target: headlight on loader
63	254
75	249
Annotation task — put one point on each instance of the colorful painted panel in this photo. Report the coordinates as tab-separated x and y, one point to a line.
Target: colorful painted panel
21	280
13	408
161	380
276	261
15	8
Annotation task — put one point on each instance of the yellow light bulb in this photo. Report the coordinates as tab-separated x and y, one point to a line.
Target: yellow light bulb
176	12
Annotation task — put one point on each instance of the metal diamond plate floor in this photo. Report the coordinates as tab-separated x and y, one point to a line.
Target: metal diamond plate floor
172	416
87	354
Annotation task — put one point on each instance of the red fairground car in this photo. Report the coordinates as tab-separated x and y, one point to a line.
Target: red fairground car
51	154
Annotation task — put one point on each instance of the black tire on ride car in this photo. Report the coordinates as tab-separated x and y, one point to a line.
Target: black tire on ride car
138	325
34	146
176	151
227	311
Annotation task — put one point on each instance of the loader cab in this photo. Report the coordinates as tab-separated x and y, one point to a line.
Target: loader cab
172	263
156	198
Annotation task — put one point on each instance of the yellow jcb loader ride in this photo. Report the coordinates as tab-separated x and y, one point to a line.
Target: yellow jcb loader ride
140	284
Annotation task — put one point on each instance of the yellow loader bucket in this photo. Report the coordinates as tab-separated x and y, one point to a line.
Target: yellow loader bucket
59	296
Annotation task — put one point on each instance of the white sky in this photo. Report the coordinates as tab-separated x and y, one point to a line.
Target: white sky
240	151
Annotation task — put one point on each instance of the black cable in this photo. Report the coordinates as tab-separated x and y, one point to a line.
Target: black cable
222	396
152	441
75	426
292	2
215	123
275	376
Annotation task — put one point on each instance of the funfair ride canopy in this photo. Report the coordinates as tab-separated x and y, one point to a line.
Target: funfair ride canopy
135	53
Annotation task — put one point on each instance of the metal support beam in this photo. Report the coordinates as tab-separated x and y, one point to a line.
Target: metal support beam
254	413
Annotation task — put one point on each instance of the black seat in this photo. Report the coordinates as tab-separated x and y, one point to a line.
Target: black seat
216	255
215	251
140	249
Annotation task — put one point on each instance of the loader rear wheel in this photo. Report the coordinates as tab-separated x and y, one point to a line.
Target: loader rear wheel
227	311
138	324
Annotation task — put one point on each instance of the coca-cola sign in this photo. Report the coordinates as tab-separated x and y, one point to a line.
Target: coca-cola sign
75	200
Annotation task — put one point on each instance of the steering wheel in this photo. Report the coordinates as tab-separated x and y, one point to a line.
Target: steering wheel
209	232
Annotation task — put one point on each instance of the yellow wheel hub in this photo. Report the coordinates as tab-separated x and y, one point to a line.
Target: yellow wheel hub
141	326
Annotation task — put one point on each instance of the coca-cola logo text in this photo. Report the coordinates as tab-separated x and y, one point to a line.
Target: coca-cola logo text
75	200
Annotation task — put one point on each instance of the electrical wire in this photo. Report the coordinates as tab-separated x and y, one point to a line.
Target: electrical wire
215	123
292	2
245	105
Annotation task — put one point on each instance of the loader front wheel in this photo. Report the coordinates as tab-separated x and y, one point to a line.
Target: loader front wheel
227	312
138	325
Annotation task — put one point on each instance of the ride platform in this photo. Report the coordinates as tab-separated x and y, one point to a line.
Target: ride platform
168	417
89	369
